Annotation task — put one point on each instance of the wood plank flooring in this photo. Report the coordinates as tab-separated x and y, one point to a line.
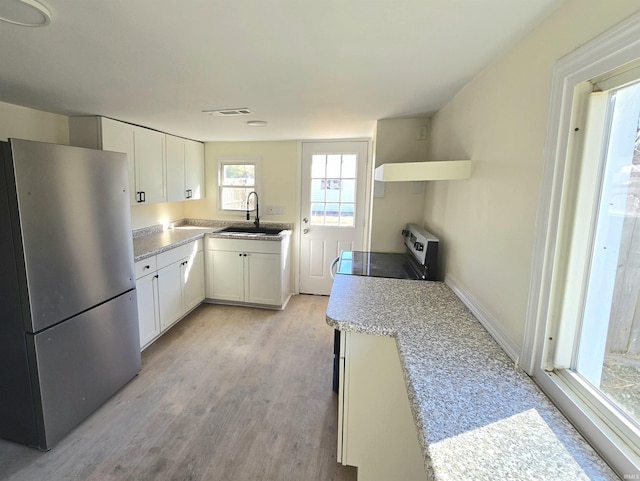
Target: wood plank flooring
230	393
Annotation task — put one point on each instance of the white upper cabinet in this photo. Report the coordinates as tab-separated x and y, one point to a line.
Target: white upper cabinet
149	163
162	167
118	137
194	169
185	169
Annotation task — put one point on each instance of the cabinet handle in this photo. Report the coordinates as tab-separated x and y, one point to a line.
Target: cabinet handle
141	196
146	267
156	276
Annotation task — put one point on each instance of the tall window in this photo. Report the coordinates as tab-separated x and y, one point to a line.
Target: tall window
236	179
333	188
595	346
583	325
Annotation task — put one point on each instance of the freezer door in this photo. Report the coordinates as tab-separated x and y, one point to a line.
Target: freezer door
81	363
74	216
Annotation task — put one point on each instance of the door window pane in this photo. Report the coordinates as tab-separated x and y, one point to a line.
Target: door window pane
334	165
317	214
318	166
349	166
317	190
346	215
332	214
347	191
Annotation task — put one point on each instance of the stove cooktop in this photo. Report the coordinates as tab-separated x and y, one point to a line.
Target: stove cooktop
375	264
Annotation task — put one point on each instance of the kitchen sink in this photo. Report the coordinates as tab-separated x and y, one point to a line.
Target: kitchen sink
249	230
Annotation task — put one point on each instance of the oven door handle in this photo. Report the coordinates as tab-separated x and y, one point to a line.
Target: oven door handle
333	263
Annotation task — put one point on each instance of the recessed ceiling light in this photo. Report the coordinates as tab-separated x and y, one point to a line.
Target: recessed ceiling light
257	123
26	13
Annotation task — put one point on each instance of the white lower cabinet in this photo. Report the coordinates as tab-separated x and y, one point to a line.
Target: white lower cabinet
170	294
248	271
148	313
376	431
169	286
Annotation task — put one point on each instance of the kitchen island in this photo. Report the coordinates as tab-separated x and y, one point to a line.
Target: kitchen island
476	415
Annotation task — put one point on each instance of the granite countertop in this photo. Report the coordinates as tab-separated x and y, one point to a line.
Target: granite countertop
151	241
477	416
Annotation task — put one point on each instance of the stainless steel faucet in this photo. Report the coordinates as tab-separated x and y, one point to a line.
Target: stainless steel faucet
257	221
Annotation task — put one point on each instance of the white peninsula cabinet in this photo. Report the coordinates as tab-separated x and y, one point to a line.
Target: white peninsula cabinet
376	431
185	169
169	285
252	272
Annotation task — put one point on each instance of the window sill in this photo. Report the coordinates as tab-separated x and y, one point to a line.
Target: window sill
568	393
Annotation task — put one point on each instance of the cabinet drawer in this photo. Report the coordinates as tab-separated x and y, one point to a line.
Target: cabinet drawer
146	266
177	253
242	245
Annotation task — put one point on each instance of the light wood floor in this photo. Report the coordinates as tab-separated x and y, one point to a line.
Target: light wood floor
230	393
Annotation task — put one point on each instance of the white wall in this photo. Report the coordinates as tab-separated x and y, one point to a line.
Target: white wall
154	214
396	141
499	120
279	177
24	123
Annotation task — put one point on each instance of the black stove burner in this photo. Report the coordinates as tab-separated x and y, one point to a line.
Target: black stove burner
376	264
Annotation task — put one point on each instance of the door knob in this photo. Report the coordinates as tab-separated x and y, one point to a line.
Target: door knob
305	220
305	231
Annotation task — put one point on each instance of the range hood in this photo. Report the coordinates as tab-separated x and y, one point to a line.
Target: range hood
427	170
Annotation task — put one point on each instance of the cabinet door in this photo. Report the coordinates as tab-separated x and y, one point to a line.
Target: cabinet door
378	411
175	150
149	155
170	294
148	319
263	279
226	276
193	281
119	137
194	169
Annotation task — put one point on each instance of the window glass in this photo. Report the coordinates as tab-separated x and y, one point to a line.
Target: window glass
608	352
236	179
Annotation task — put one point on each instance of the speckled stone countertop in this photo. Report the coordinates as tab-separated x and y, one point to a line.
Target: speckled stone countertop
153	240
477	416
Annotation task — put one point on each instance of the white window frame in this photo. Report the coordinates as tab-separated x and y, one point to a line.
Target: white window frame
237	161
617	47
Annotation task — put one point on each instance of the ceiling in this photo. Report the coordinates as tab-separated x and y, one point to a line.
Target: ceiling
313	69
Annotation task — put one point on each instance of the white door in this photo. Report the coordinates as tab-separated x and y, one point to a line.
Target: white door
332	208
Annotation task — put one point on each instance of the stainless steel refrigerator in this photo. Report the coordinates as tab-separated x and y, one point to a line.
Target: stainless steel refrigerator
68	313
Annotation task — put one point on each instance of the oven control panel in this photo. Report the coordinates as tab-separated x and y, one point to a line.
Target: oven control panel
421	244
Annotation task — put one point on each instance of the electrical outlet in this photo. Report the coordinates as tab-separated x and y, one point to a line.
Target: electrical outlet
422	133
280	209
269	210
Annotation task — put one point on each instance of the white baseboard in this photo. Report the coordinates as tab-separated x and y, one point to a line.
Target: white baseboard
485	318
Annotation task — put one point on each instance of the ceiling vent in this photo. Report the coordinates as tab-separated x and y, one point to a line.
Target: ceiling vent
228	112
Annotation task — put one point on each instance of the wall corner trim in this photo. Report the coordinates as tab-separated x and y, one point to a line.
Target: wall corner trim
485	318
